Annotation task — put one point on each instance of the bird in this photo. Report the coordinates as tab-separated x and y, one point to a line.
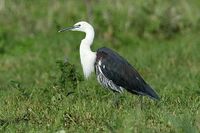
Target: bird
112	70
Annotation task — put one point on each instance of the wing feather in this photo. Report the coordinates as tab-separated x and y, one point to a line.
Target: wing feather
117	69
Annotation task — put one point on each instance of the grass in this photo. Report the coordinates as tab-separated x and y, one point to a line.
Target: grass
41	82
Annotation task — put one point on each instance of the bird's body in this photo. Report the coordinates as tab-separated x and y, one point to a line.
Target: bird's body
112	70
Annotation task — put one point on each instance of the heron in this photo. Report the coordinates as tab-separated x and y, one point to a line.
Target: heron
112	70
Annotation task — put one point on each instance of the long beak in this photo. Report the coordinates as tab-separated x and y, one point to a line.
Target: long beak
66	29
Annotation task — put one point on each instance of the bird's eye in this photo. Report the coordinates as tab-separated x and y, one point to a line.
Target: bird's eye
79	25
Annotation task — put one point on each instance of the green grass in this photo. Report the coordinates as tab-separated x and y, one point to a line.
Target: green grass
160	39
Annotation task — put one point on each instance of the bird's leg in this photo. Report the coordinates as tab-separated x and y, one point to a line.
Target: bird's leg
141	102
116	100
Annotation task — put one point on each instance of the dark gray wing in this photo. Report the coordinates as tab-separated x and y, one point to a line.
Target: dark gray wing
117	69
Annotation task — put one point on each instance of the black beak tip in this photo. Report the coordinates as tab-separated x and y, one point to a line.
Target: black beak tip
61	30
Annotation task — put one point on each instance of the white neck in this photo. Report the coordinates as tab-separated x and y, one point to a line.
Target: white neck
87	56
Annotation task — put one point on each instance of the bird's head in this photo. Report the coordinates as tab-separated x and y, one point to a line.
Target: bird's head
80	26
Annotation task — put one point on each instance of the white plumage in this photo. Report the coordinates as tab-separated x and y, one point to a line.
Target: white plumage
87	57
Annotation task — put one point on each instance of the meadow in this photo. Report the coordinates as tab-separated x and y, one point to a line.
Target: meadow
42	88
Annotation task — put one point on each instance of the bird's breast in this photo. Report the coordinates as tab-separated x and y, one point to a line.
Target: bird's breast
87	62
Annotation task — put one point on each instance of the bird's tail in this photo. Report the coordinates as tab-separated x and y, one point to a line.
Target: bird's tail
151	93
